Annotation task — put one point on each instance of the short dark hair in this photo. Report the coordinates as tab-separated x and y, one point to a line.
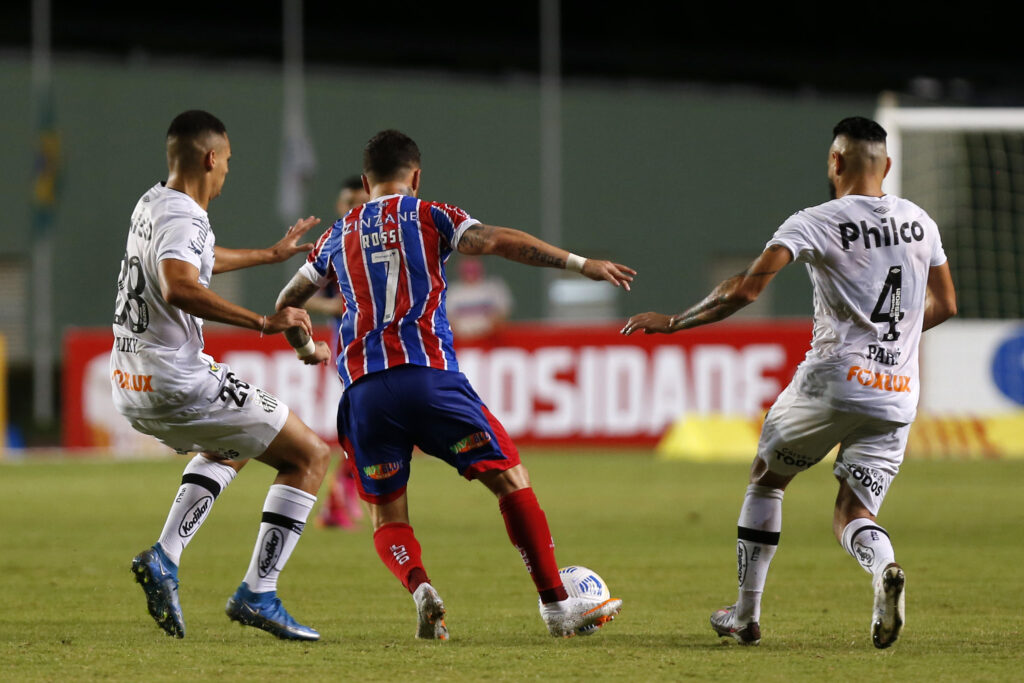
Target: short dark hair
353	182
388	153
194	123
859	128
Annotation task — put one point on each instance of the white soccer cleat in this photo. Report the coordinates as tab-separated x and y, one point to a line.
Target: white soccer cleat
430	609
889	612
723	624
572	616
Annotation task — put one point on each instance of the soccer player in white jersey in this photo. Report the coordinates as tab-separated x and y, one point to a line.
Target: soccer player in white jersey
166	387
880	279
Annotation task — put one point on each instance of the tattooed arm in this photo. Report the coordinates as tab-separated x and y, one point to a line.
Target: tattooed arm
294	295
724	300
522	247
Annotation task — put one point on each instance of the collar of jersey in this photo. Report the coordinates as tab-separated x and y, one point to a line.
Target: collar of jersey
387	196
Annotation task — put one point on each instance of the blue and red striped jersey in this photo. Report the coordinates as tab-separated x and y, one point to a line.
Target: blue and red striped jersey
387	257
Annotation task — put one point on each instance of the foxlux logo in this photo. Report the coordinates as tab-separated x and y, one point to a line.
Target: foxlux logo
193	517
886	236
270	551
881	381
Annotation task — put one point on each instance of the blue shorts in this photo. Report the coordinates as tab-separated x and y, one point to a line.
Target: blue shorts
383	415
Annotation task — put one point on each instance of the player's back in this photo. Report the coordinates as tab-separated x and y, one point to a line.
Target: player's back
869	260
388	258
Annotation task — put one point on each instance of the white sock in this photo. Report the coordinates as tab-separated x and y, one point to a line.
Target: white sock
284	517
869	544
201	483
757	539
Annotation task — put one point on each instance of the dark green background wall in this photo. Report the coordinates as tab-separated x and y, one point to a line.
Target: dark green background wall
667	179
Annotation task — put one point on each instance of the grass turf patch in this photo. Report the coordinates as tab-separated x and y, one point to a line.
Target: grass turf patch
662	535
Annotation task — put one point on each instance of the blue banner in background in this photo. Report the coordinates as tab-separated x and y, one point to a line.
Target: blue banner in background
1008	367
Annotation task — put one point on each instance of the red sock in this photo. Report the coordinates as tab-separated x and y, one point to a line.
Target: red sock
528	530
400	551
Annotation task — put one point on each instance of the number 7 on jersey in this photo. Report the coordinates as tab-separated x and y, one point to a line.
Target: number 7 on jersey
391	260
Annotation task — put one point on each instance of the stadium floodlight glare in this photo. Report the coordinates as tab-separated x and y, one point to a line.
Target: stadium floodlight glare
965	167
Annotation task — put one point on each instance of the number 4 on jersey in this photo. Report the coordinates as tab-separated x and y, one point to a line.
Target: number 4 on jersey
887	310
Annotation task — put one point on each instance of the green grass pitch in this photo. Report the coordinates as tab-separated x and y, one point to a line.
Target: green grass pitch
661	533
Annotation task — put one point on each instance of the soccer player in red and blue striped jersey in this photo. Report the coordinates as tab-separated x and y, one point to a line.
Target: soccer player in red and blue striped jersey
403	388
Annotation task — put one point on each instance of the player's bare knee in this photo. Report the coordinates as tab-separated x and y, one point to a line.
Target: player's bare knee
762	476
503	482
848	508
317	454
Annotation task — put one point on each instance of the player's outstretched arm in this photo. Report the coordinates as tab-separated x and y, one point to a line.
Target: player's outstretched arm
728	297
294	296
180	287
940	297
234	259
522	247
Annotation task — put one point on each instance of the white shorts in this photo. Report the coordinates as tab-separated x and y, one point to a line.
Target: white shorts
237	422
799	432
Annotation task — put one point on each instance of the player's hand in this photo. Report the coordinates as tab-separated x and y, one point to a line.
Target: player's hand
615	273
289	245
320	355
650	323
288	317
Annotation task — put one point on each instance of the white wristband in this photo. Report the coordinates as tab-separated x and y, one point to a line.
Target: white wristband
575	263
306	350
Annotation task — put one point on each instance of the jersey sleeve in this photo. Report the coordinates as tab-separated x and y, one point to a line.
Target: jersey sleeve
451	221
938	256
182	237
802	236
317	267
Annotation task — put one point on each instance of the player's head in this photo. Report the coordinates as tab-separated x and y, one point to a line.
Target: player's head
391	157
350	195
857	150
197	145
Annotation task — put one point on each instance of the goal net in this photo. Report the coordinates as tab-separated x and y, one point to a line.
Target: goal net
965	167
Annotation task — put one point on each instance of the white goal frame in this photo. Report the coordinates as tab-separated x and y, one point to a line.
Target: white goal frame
897	120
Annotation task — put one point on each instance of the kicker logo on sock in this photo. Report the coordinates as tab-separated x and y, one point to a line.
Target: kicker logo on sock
270	551
383	471
864	554
741	562
470	442
191	520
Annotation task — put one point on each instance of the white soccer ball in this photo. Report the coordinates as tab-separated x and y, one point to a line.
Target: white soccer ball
581	582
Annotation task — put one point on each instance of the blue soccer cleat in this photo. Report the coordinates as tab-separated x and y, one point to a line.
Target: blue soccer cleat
265	611
158	577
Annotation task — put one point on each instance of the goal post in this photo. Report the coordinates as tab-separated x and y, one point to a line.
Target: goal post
965	167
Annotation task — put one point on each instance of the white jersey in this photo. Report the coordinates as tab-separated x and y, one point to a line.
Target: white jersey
868	259
157	365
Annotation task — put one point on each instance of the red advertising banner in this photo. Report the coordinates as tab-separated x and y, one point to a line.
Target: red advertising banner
548	384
